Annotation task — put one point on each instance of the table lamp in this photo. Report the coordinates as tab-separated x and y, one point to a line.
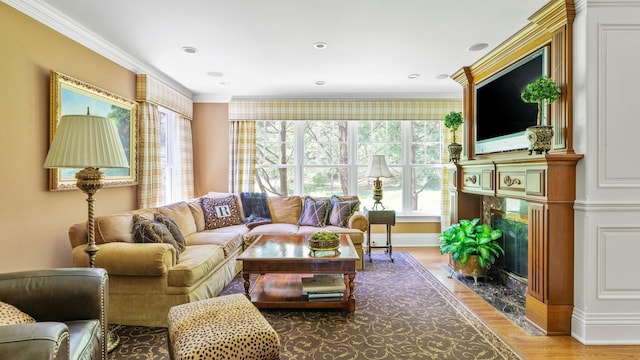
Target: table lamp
377	168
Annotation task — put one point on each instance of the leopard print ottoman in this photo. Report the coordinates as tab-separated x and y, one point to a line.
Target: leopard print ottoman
224	327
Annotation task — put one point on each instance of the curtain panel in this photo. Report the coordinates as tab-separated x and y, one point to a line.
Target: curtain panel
185	142
242	158
149	163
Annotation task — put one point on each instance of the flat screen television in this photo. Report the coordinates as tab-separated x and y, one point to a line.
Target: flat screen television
501	117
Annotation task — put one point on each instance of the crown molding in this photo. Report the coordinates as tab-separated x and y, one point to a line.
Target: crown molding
59	22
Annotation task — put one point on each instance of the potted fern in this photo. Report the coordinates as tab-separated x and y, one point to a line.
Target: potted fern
453	121
543	91
473	247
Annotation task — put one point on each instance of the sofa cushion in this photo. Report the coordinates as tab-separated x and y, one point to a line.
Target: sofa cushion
285	209
173	229
117	227
11	315
220	212
255	208
314	213
151	231
181	214
280	228
341	211
198	213
196	262
229	241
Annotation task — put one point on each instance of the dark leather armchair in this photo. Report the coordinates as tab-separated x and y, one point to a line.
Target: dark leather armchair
70	309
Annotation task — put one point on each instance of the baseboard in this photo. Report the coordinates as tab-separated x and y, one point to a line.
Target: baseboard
405	239
605	329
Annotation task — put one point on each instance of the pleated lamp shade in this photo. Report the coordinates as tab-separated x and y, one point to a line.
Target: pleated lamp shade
377	167
83	141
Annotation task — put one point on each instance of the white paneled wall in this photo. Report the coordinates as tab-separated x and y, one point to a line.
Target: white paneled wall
606	127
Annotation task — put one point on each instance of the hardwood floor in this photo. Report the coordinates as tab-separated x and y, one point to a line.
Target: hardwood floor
529	347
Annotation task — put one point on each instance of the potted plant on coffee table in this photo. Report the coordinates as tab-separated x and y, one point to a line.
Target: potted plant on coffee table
473	247
543	91
453	121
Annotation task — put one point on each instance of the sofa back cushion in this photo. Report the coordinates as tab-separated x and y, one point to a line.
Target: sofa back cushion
285	209
182	215
118	227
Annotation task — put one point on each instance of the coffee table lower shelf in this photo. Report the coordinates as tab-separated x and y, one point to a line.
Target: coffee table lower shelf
284	291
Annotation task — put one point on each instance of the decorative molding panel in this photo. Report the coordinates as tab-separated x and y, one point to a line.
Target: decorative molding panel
618	249
618	54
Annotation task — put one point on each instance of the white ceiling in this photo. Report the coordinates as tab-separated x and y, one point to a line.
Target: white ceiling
265	48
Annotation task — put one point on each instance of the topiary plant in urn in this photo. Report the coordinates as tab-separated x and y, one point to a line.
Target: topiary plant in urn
453	121
543	91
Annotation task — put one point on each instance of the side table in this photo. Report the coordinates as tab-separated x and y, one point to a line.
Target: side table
380	217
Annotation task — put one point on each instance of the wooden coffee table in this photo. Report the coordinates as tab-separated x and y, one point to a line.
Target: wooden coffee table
283	260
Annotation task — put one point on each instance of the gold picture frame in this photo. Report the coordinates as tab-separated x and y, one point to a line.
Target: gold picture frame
71	96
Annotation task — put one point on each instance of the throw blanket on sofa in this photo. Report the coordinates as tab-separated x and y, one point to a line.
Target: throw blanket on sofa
255	208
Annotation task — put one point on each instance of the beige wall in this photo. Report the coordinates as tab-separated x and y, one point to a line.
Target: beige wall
34	221
210	128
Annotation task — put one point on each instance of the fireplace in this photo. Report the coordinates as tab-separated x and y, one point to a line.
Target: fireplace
510	216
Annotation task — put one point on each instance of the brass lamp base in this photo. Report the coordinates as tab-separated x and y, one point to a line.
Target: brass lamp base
90	180
377	194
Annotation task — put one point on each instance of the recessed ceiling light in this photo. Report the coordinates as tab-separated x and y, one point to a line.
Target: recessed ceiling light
478	47
442	76
189	49
320	82
413	76
320	45
215	74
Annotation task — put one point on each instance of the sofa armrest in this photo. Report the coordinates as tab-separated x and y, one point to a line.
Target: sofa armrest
359	221
43	340
131	259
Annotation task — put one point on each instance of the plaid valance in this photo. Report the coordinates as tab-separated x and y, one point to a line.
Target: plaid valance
149	89
342	109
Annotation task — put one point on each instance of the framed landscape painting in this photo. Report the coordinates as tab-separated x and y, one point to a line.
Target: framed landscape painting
70	96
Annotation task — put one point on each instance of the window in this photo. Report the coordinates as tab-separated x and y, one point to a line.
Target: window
322	158
169	157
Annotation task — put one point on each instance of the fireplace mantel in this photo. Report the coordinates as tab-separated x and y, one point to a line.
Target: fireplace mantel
547	183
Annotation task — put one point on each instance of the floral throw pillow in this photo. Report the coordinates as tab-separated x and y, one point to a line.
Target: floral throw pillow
11	315
314	213
221	212
341	211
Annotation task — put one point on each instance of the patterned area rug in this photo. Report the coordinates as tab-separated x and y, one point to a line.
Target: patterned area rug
402	312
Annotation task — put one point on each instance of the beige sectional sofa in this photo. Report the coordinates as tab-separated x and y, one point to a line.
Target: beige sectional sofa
146	279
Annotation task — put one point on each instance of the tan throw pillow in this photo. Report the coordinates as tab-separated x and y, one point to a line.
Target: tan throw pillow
285	209
221	212
10	315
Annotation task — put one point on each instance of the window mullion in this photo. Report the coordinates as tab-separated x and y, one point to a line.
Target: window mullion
299	157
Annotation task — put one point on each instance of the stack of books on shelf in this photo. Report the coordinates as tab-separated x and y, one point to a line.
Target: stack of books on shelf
324	287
